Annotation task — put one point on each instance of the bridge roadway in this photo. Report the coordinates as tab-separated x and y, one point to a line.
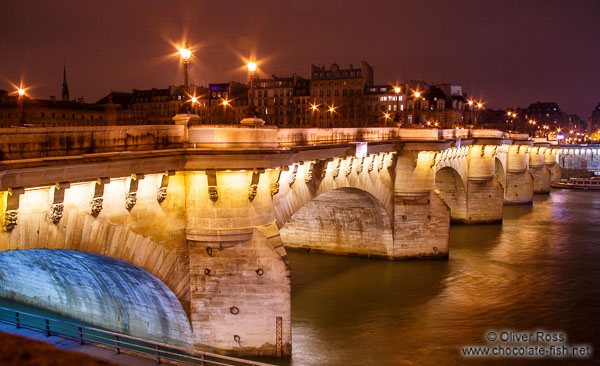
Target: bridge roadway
207	211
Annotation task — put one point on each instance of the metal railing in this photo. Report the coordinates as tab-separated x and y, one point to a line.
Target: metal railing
119	342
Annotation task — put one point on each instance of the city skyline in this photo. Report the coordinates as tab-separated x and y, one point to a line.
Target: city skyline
547	62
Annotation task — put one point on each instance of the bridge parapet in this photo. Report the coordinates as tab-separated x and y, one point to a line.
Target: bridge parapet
27	143
31	143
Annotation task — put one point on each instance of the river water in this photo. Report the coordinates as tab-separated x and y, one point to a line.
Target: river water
539	270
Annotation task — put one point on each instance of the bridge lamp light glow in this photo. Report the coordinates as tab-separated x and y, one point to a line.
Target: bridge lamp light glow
332	109
386	115
251	66
21	92
417	94
194	100
225	103
479	105
314	107
397	90
470	102
185	53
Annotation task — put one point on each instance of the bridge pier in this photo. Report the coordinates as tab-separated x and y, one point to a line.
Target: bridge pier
421	217
239	278
551	157
519	181
421	225
484	190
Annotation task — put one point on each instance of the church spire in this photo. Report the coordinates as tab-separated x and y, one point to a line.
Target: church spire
65	90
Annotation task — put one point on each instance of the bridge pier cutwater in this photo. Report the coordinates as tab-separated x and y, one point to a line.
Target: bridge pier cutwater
208	212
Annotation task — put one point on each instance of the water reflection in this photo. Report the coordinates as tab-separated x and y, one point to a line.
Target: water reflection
538	270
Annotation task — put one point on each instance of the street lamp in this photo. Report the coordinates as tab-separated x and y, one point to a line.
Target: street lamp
21	93
470	103
417	95
397	119
186	54
386	116
251	107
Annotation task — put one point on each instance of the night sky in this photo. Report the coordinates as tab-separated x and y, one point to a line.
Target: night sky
508	53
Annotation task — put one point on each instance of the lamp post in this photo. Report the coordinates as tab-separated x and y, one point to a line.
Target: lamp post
417	95
21	93
193	101
478	117
470	103
186	54
397	119
251	107
251	115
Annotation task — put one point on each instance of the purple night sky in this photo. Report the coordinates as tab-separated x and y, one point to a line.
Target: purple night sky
508	53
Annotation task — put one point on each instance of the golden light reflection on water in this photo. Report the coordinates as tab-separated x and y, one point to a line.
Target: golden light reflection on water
537	270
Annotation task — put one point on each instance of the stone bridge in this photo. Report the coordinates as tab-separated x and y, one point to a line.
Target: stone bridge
205	212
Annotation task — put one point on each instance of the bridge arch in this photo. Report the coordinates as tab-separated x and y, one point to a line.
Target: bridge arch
452	191
304	182
109	234
324	198
344	220
95	289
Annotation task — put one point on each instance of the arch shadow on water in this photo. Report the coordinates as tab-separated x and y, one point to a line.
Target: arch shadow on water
93	289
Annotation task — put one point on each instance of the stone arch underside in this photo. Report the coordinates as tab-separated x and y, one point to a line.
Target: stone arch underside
95	289
452	191
500	171
341	221
80	231
295	191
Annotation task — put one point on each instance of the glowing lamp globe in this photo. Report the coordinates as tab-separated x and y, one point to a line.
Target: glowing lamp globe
185	53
